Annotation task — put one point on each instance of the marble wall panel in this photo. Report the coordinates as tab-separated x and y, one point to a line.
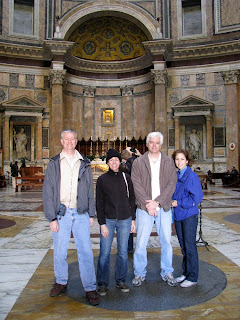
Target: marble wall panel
42	96
219	152
74	88
230	16
173	96
210	79
21	80
101	131
143	87
45	153
108	92
3	94
45	123
14	93
73	114
198	92
4	78
218	121
88	117
39	81
216	95
176	81
143	116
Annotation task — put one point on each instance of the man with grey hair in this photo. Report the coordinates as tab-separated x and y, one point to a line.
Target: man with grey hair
68	200
154	179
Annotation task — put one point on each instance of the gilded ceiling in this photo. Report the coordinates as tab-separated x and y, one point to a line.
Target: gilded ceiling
108	39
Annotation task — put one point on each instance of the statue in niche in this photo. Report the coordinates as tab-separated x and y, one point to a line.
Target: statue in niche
20	140
194	143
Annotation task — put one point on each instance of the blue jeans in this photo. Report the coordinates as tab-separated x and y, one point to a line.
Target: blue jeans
144	225
186	231
123	228
79	224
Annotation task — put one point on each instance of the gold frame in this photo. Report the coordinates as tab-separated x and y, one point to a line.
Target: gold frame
108	116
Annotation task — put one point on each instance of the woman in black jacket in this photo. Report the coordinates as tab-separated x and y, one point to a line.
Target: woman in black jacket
115	204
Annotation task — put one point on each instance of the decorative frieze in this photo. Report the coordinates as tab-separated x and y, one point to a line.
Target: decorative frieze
30	80
200	79
230	77
185	80
57	76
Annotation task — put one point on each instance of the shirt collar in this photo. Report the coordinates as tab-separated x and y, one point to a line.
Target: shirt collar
77	155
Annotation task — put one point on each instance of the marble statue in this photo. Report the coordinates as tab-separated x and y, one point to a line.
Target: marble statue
194	143
20	140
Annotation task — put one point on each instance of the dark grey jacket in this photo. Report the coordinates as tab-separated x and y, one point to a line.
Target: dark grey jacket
51	189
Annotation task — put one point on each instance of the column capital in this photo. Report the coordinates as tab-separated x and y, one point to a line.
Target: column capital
89	91
127	91
57	76
159	76
231	76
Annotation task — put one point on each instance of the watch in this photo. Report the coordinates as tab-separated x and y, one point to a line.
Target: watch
158	203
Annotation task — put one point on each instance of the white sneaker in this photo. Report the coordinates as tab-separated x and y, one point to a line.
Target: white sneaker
137	281
180	279
171	281
187	284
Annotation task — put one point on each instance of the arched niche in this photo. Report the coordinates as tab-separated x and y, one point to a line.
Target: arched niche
193	127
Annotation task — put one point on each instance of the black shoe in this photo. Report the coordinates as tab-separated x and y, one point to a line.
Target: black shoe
57	289
93	297
102	291
123	287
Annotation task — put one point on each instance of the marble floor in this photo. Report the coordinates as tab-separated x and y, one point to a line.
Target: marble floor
26	270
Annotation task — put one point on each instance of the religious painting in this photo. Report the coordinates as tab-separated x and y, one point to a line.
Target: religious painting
108	117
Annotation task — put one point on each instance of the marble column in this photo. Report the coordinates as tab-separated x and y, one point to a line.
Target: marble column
177	132
39	140
160	115
57	79
127	112
232	116
209	137
6	146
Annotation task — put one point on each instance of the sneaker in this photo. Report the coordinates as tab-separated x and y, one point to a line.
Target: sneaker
93	297
57	289
187	284
102	291
137	281
171	281
123	287
180	279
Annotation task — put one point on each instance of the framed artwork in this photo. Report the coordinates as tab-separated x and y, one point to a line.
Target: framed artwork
108	117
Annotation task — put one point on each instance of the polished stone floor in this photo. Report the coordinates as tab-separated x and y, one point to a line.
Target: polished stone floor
26	269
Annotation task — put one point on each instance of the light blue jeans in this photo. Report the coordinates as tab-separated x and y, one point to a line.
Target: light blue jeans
79	224
123	228
144	225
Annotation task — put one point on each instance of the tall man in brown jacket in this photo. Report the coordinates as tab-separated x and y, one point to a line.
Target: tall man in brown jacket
154	179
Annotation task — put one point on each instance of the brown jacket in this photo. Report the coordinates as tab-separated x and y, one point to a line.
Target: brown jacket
141	178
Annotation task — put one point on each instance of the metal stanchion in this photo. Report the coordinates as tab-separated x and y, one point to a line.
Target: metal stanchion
200	239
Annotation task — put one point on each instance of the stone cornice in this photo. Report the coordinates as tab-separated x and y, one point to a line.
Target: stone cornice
109	67
57	47
159	47
23	51
205	50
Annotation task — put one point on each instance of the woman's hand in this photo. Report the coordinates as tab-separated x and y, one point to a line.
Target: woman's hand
174	203
104	231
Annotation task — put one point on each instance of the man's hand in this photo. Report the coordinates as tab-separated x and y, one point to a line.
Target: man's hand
151	207
133	227
91	222
54	226
104	231
174	203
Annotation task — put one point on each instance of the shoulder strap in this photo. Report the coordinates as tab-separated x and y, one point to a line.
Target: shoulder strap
124	176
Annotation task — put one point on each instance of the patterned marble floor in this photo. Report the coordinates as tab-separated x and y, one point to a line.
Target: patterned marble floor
26	271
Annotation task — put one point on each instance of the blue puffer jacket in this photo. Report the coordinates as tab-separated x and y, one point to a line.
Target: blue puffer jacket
188	194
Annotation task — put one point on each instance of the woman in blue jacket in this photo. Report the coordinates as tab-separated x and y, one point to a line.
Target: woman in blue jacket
187	196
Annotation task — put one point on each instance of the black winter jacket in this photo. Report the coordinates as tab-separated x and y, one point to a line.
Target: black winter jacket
112	201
